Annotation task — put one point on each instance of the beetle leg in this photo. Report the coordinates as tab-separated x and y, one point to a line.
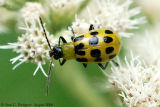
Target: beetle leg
91	27
63	40
72	38
73	34
85	65
63	61
115	63
103	67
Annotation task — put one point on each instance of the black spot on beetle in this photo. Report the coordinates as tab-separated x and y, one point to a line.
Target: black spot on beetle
78	38
94	33
108	32
80	52
112	56
77	49
93	40
108	39
109	50
95	53
79	46
98	59
82	60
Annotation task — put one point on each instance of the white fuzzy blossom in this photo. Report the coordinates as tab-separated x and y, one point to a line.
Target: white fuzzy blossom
65	5
2	2
115	14
80	26
32	10
139	84
32	46
147	45
151	7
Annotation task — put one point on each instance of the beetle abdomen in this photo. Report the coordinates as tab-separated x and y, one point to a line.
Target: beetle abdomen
96	46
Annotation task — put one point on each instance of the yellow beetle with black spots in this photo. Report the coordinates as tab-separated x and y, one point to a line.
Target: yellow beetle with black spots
96	46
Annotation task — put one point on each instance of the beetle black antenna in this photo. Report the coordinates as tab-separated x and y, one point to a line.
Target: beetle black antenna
45	33
50	65
49	74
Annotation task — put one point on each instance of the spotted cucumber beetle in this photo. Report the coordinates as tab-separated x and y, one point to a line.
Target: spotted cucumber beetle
96	46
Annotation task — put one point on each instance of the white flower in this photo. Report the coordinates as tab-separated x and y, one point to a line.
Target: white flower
2	2
147	45
151	7
65	5
32	10
32	46
113	14
139	84
79	27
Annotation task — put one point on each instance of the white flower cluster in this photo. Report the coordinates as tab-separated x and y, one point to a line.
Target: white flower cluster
113	14
139	84
32	46
79	27
148	44
65	5
32	10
